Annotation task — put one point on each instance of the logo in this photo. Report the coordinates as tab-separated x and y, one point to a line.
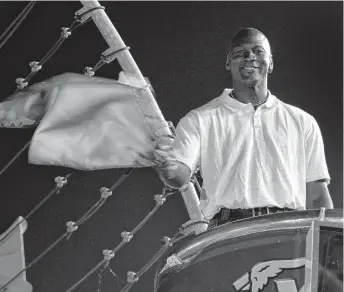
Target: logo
263	272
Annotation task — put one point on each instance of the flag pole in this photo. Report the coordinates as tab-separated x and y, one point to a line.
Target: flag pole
129	66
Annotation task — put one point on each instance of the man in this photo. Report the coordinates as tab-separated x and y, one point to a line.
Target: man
257	154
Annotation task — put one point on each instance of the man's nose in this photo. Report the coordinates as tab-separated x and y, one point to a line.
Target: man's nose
250	55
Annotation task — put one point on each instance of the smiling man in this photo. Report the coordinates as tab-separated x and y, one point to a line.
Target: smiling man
257	155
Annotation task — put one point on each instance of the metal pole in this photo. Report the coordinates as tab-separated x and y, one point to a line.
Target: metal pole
128	65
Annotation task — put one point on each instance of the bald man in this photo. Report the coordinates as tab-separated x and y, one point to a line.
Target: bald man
257	155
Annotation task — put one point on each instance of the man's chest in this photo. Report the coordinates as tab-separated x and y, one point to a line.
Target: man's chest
263	136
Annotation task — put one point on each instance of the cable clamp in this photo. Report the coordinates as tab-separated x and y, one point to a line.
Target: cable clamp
159	199
105	192
167	241
21	83
35	67
111	54
127	236
88	71
60	182
131	277
108	255
84	13
71	227
66	32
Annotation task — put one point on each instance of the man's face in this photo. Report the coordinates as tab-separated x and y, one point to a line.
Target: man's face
249	60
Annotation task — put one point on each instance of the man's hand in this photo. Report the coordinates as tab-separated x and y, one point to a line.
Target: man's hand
163	150
173	173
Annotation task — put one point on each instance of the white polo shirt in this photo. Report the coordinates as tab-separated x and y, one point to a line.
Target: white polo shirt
251	158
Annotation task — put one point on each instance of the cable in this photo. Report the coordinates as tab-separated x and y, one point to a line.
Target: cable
127	236
71	227
20	18
40	204
15	158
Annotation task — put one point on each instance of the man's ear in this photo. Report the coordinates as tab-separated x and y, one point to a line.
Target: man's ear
228	62
271	65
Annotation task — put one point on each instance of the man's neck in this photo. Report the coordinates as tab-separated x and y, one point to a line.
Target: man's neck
253	95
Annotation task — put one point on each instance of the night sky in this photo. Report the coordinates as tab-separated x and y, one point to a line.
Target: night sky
181	47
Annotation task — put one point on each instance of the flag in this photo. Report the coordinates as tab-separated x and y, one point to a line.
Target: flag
87	123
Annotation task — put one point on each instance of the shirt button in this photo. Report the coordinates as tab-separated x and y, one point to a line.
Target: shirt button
256	126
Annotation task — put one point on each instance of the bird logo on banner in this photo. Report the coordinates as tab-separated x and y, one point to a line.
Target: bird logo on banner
261	273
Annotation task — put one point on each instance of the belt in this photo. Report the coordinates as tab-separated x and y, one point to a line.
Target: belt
226	214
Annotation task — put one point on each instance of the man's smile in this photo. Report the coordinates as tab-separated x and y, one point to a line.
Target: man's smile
251	67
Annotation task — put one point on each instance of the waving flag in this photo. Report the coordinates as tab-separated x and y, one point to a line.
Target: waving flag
85	122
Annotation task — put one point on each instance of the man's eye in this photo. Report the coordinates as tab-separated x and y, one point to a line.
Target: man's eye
259	52
239	53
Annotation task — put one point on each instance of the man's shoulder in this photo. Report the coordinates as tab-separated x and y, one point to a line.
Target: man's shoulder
200	115
297	112
207	108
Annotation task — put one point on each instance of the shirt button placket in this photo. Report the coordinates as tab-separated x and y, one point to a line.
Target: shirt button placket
257	123
258	139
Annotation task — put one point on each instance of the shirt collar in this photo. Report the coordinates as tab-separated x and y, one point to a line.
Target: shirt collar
236	105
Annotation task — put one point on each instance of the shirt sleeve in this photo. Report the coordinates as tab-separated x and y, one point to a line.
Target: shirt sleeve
316	167
186	145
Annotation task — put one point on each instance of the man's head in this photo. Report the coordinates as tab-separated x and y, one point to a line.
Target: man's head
249	58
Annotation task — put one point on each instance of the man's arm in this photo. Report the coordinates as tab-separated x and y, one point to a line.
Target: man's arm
179	156
317	175
317	195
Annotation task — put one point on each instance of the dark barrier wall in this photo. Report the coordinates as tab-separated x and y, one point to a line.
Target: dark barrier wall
181	47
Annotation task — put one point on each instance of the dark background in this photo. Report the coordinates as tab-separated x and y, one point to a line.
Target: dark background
181	47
